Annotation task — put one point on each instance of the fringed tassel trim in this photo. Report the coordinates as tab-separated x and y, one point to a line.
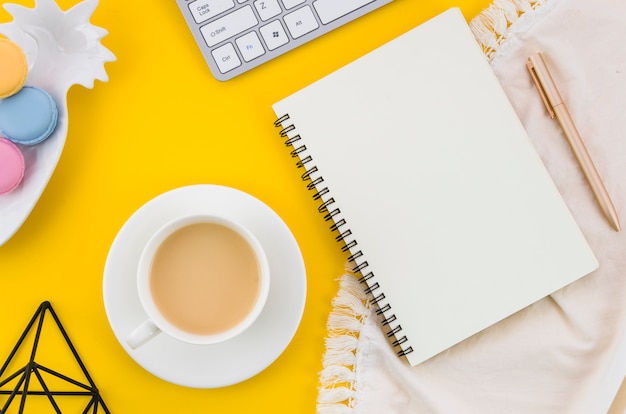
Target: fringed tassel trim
337	378
491	26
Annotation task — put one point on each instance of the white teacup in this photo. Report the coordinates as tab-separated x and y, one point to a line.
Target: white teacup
201	279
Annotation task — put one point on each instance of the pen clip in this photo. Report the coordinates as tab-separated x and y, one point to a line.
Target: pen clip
544	97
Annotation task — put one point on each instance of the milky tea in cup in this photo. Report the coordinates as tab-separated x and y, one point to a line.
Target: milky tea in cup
201	279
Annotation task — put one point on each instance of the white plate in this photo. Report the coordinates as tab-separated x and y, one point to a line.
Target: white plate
63	49
208	366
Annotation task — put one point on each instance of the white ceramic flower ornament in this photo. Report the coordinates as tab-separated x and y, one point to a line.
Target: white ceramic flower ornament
63	49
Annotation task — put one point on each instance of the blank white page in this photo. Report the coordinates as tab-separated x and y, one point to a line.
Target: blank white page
439	184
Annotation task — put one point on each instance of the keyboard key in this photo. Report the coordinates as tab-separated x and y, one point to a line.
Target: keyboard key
274	35
290	4
330	10
260	30
226	57
301	22
228	26
250	46
203	10
267	9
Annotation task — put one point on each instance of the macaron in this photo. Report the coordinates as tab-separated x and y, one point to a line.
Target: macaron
13	68
11	166
29	116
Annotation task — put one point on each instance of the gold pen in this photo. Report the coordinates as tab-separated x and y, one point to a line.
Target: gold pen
556	109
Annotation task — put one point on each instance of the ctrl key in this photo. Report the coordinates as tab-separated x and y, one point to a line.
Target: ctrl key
226	57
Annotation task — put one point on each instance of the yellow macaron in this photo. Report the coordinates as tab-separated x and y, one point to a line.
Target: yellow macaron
13	68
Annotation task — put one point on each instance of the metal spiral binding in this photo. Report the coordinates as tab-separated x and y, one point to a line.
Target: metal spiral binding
333	214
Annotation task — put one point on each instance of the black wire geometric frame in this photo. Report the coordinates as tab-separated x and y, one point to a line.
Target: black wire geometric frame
25	374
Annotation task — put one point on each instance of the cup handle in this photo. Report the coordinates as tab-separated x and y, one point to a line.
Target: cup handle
142	334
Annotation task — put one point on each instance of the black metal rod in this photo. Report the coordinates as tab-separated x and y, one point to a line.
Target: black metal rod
22	387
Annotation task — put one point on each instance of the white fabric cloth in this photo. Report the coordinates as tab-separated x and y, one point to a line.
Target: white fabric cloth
567	352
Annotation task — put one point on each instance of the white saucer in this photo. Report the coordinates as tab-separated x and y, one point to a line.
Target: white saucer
233	361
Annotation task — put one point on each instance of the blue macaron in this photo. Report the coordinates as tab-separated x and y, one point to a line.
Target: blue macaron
29	116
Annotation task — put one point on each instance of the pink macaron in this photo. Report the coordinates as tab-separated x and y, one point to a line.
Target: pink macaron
11	166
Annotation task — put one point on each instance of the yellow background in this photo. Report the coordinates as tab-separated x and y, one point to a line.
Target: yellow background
162	122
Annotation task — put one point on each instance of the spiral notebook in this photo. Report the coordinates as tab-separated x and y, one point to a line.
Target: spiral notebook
426	175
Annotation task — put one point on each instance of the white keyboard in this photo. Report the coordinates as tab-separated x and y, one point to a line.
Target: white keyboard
237	35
